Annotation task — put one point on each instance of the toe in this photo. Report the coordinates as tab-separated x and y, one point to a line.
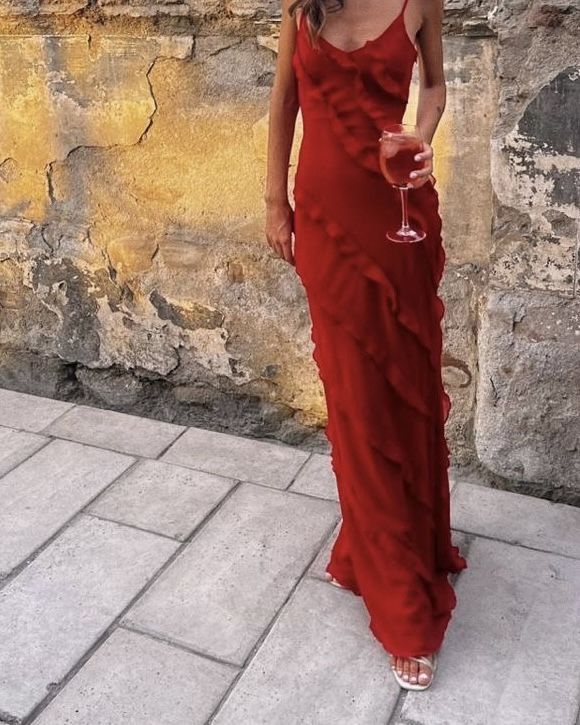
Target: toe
406	669
425	674
400	666
413	671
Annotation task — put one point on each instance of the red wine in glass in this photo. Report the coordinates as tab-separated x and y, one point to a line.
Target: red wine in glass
398	144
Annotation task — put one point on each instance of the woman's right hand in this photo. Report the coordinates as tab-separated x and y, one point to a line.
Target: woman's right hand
279	228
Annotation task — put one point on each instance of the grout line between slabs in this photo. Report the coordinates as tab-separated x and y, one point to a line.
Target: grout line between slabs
46	443
98	642
176	644
58	417
174	441
395	716
126	524
299	471
266	631
137	460
516	544
22	565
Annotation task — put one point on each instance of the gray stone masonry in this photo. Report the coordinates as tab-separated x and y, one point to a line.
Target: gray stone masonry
153	574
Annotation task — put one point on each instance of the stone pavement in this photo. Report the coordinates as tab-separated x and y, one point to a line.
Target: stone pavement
153	574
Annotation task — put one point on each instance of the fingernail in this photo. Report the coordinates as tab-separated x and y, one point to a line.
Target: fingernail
413	175
417	158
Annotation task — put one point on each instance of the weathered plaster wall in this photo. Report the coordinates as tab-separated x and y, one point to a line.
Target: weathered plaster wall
528	411
133	269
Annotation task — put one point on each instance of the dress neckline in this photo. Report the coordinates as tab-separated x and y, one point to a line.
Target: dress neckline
400	16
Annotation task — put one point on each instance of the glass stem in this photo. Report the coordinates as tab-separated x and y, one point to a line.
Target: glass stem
405	227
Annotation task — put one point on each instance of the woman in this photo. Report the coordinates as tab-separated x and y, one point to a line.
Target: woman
374	305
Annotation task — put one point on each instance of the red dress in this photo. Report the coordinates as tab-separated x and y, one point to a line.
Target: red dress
376	328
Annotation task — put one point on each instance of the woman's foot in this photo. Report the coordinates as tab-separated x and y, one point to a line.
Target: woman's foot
334	581
412	671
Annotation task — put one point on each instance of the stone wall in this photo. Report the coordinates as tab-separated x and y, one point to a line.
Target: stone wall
134	273
528	411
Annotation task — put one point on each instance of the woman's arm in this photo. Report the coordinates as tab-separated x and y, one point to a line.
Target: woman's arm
283	109
432	88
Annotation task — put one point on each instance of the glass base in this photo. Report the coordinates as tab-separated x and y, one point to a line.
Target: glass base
406	236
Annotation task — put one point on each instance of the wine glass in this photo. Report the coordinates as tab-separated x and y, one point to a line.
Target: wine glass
398	144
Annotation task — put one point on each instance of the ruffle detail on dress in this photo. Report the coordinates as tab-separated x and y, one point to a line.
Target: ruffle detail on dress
351	289
345	97
428	213
353	254
386	523
394	505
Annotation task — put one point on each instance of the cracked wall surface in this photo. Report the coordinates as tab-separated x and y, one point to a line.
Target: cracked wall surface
527	418
134	273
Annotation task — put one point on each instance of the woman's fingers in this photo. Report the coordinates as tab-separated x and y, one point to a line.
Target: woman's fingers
282	248
426	153
278	230
419	173
287	252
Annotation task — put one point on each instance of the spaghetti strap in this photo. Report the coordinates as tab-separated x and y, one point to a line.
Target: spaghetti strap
301	15
404	6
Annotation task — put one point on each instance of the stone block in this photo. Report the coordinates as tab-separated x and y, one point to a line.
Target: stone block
44	492
141	9
249	9
249	459
29	412
159	497
16	446
512	650
140	681
535	161
117	431
204	8
459	290
56	609
318	665
223	590
527	422
516	518
316	478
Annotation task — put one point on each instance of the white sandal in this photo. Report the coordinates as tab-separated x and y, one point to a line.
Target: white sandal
424	660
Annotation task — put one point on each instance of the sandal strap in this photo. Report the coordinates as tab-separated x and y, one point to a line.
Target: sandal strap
423	659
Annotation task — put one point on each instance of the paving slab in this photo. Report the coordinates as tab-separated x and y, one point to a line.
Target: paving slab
318	665
42	493
318	567
161	497
271	464
16	446
512	650
56	608
29	412
316	478
223	589
118	431
516	518
133	679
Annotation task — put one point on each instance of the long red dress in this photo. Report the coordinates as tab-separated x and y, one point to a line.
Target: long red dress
376	328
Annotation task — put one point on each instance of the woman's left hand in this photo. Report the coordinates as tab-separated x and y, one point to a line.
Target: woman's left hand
420	176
